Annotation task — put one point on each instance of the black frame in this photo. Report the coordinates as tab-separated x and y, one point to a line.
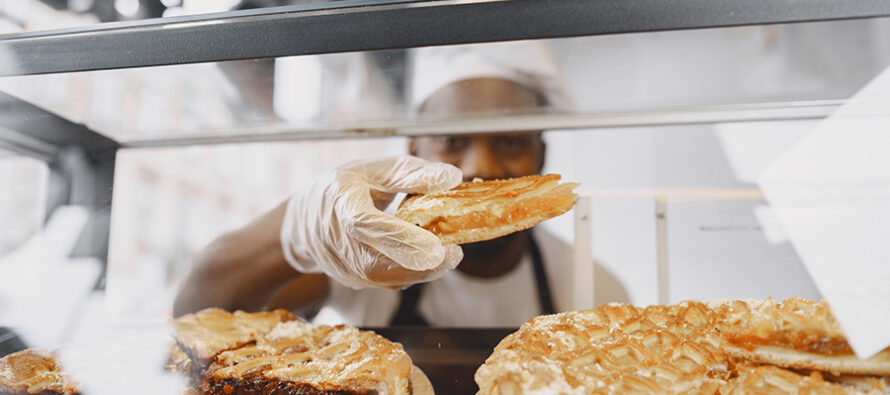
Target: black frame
81	164
82	161
372	25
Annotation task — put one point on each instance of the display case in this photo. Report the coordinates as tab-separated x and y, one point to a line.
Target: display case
147	139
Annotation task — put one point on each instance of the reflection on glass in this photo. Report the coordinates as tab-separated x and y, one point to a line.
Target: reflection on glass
758	64
162	216
22	203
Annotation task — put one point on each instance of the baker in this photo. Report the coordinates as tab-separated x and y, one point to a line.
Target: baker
329	253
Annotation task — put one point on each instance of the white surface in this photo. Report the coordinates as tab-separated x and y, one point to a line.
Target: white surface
745	148
303	104
583	275
662	251
719	250
107	359
40	281
457	300
831	192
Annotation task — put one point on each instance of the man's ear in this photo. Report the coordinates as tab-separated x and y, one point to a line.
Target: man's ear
412	146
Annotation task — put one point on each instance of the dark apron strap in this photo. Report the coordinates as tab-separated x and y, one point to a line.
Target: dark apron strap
545	298
408	315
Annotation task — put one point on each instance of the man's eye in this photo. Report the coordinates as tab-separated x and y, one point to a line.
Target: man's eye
512	143
455	143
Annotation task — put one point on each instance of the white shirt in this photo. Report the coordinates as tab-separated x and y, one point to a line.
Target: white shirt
460	300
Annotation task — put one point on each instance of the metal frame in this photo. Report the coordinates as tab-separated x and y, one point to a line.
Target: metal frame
371	25
782	111
46	130
81	164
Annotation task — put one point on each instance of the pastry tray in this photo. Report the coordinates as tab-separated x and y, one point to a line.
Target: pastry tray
448	357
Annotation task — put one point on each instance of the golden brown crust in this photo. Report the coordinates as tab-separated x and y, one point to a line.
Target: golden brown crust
34	372
177	360
208	332
326	358
795	333
482	210
687	347
236	355
768	380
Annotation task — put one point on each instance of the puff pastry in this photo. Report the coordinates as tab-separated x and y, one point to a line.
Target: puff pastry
482	210
34	372
275	353
730	347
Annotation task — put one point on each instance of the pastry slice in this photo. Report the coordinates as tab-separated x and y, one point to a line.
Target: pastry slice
729	347
208	332
302	358
795	333
612	349
179	362
276	353
769	380
34	372
482	210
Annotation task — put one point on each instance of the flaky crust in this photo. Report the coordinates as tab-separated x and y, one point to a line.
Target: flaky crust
690	347
323	357
482	210
34	372
796	333
289	356
206	333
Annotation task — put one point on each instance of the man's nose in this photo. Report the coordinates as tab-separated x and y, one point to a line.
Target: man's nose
480	161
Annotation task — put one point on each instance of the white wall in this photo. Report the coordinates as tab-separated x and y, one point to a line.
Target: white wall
738	65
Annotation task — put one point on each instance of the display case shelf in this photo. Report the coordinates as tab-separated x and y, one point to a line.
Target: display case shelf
785	111
372	25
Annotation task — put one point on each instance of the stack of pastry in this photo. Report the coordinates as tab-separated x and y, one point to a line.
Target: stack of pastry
729	347
274	353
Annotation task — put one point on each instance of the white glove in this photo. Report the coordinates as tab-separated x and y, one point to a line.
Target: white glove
335	228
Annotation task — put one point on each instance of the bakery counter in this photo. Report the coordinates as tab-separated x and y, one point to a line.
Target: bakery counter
448	357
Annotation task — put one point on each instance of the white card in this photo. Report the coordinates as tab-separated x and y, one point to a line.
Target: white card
831	193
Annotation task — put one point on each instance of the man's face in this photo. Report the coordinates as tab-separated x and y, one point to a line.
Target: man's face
501	155
485	156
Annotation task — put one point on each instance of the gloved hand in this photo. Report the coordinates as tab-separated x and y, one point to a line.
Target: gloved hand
335	228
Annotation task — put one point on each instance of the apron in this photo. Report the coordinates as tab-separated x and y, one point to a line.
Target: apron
407	312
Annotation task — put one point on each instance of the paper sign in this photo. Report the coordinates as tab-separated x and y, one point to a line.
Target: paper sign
831	194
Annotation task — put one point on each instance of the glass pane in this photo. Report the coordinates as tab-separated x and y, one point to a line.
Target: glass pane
171	202
791	64
163	217
31	15
22	203
38	15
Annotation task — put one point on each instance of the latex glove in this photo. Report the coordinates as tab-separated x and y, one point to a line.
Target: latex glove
335	228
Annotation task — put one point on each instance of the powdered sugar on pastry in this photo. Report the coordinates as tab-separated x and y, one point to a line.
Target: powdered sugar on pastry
275	353
724	347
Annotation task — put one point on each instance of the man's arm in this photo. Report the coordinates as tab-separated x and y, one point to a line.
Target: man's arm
340	233
245	269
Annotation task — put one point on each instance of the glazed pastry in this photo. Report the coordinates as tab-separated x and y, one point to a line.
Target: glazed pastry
482	210
730	347
275	353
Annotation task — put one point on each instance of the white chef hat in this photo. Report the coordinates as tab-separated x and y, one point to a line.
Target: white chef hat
530	64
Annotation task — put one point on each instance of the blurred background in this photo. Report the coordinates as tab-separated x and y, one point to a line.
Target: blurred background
170	201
